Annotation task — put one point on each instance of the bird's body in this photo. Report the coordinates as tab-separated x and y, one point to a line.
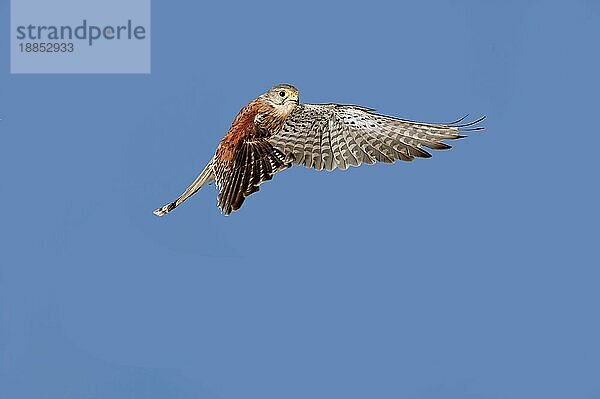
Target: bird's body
274	131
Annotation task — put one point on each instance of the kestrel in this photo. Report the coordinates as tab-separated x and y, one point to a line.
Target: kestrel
275	131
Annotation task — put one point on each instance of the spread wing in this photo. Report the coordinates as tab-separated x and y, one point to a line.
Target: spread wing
253	162
326	136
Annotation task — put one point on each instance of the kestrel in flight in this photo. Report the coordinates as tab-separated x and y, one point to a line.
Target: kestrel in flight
275	131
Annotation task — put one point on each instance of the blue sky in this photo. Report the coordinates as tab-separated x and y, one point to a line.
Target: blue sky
473	274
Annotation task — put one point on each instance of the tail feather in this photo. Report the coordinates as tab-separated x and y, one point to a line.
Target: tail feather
162	211
205	176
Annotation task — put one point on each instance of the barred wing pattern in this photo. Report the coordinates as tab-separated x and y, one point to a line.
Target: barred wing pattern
254	161
329	136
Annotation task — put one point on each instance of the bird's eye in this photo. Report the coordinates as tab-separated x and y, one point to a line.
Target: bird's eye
282	93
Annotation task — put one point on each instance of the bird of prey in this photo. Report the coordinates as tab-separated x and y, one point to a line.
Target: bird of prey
274	131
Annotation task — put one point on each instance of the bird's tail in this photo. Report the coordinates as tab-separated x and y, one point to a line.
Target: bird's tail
205	176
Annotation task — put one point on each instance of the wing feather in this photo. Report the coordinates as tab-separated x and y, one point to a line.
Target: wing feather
356	151
352	156
326	146
326	136
340	147
253	162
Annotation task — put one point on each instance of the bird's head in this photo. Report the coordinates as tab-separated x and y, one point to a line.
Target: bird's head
276	105
281	95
